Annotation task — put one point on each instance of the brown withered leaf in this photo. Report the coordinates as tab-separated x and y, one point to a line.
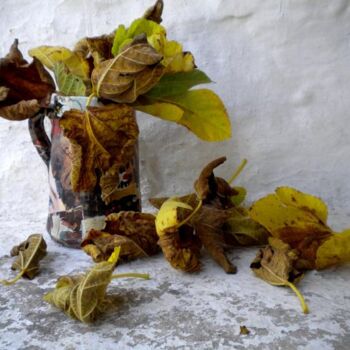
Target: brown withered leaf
100	138
275	264
181	248
212	200
208	224
212	189
297	218
99	48
29	86
154	13
131	73
29	253
134	232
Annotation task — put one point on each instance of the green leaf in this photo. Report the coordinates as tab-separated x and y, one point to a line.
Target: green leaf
68	84
203	113
124	36
178	83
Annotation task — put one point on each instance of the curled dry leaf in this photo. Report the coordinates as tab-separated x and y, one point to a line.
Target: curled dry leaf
179	244
83	297
154	13
29	253
99	48
134	232
131	73
27	86
209	221
100	139
298	219
275	264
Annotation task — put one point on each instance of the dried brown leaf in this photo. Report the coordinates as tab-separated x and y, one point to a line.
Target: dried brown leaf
29	86
134	232
154	13
131	73
100	139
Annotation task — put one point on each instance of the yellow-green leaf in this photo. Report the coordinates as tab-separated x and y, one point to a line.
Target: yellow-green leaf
67	83
292	197
50	55
203	113
334	251
178	83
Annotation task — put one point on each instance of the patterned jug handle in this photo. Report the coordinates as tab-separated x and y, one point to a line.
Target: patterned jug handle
39	136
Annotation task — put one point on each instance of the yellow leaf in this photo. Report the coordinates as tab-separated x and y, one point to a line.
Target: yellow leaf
50	55
167	216
292	197
335	250
203	113
275	216
166	111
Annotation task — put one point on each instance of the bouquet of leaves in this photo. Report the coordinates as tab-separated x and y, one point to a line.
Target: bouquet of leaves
133	68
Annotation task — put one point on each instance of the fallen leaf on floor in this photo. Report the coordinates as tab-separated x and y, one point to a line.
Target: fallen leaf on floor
300	220
134	232
244	330
205	217
275	264
29	253
83	297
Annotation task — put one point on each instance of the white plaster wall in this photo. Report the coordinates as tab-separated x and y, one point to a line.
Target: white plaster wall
282	67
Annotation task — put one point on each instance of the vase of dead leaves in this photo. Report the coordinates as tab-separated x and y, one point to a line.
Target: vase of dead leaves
76	207
98	86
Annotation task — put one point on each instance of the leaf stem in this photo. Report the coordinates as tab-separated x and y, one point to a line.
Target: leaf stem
183	222
88	102
132	275
300	296
238	171
13	281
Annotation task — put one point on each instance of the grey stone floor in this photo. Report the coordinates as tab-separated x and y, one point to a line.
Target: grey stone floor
174	310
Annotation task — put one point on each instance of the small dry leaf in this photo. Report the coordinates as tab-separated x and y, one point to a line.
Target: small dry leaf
297	218
83	297
131	73
29	253
154	13
27	86
214	190
275	264
100	48
244	330
100	139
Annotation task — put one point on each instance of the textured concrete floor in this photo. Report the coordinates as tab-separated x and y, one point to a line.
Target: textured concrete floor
175	310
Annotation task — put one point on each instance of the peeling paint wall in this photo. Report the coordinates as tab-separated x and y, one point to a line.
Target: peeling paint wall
281	67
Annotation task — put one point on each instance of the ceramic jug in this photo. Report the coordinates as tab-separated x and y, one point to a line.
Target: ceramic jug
73	214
